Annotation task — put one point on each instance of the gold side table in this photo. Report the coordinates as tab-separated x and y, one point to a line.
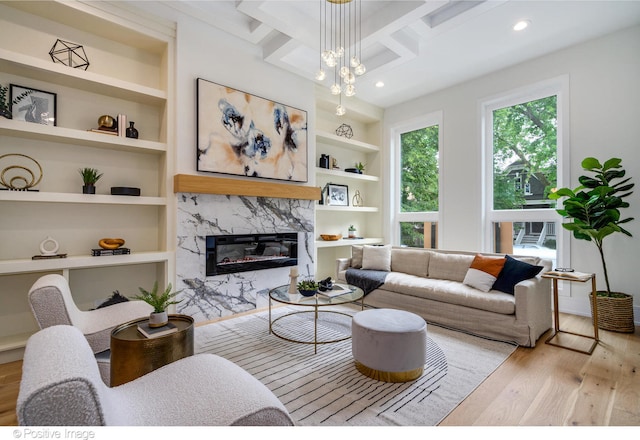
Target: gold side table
134	355
555	277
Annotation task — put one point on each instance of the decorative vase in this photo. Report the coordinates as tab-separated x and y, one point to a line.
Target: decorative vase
158	319
88	189
324	161
614	313
308	292
352	234
132	132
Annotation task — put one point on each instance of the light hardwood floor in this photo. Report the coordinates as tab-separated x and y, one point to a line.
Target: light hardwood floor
545	385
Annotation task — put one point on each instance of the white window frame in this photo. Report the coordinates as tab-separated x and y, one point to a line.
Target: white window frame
397	217
558	86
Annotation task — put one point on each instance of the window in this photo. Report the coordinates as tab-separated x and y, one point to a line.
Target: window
523	159
417	188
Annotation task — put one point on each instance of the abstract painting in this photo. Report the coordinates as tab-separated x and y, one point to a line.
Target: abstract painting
243	134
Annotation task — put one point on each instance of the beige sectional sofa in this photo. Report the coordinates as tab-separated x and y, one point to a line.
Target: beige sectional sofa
431	283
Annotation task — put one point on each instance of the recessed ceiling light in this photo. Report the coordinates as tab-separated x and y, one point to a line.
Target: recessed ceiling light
379	84
521	25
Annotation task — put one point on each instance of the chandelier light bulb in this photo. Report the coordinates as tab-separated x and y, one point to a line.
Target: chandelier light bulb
355	61
350	90
331	62
349	78
327	54
360	69
340	110
339	52
335	89
321	75
344	70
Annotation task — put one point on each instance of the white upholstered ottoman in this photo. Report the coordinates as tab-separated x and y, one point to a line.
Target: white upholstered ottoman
389	345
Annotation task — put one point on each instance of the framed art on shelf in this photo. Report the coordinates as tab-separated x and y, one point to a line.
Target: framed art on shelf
243	134
36	106
337	195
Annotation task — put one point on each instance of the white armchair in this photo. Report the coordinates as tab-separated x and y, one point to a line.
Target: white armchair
61	385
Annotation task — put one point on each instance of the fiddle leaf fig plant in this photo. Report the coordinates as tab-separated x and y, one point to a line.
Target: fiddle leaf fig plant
593	208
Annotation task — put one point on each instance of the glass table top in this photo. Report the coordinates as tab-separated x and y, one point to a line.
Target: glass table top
281	295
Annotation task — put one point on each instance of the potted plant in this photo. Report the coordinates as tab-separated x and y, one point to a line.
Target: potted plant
160	302
360	167
308	287
352	231
5	105
89	177
594	211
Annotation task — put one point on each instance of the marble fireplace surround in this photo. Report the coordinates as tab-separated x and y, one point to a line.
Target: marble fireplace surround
215	206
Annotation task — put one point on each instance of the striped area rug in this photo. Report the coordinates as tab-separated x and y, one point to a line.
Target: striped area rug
325	389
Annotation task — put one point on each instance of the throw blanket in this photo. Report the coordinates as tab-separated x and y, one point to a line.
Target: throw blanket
367	280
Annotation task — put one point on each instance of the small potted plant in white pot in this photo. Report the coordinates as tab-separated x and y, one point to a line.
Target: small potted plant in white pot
89	178
352	231
160	302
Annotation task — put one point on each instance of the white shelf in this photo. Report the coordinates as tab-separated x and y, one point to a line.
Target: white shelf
347	242
100	199
36	68
347	208
339	141
8	267
343	174
10	127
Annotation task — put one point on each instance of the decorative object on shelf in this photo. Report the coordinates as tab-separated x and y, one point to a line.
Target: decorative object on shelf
160	302
122	124
106	252
357	201
331	237
39	106
345	130
49	247
132	132
352	231
293	282
11	177
243	134
339	26
89	177
70	54
124	191
337	195
107	125
334	164
308	287
594	208
159	317
324	161
6	105
111	243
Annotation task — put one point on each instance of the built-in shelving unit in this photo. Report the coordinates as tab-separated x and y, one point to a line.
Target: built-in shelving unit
363	146
130	72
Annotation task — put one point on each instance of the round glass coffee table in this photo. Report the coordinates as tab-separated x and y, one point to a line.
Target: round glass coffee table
317	304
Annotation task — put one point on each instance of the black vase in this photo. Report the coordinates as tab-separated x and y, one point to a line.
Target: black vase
88	189
132	132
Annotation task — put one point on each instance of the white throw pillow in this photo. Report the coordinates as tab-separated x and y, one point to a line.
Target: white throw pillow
376	257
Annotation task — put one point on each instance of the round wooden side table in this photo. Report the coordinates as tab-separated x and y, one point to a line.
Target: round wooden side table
134	355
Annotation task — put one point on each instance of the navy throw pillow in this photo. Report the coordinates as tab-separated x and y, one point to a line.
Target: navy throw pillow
512	273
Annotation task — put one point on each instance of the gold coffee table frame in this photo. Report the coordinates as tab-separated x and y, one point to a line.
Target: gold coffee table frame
318	302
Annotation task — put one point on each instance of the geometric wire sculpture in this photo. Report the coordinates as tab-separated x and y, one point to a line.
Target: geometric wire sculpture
345	130
69	54
17	181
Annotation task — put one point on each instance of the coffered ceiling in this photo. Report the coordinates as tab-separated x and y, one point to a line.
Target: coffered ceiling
417	46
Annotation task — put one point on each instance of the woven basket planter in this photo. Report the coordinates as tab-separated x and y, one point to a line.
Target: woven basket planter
615	314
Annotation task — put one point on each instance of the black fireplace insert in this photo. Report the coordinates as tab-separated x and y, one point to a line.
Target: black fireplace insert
242	253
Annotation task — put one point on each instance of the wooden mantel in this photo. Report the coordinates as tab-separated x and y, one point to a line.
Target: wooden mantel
235	187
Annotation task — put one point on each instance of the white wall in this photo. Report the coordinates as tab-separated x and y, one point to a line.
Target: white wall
604	99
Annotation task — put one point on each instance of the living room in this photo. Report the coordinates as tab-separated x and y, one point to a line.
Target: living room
600	76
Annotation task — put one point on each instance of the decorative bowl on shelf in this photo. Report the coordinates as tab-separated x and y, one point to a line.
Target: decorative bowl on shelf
331	237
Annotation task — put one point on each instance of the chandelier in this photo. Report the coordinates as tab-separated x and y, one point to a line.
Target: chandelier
341	47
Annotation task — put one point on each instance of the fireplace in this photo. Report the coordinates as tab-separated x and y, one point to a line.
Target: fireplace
241	253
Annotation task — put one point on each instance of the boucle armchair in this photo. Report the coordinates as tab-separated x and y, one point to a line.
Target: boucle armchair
61	386
52	304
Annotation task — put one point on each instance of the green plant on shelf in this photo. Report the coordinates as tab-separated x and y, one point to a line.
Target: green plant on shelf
90	175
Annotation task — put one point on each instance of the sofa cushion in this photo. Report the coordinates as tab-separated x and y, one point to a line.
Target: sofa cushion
376	257
411	261
450	292
356	256
452	267
513	272
483	272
